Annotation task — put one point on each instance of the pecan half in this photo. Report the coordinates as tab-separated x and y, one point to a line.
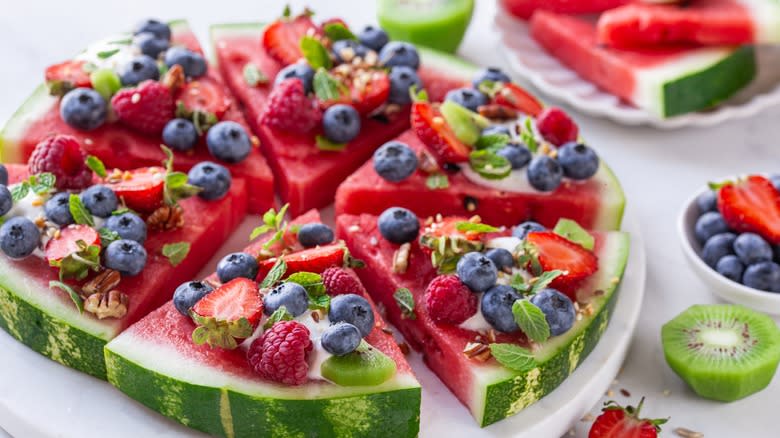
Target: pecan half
174	79
105	281
497	112
166	218
112	304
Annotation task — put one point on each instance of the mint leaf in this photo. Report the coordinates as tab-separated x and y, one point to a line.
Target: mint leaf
517	282
176	252
286	12
328	87
253	76
531	320
77	265
80	214
262	229
437	181
544	280
176	188
20	191
514	357
310	281
280	314
572	231
528	137
319	302
315	53
107	236
492	141
42	183
105	54
405	301
324	144
475	227
168	161
337	31
489	165
275	274
77	300
96	166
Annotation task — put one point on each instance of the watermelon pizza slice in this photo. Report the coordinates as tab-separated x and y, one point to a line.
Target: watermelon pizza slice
502	316
86	251
125	95
322	98
282	340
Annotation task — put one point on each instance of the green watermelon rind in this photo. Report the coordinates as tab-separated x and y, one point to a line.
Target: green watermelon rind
613	201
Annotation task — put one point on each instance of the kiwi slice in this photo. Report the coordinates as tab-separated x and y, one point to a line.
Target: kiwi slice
366	366
467	125
724	352
438	24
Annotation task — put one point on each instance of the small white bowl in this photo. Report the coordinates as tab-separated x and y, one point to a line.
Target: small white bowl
766	302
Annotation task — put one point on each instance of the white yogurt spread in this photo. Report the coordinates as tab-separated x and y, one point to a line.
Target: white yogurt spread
96	53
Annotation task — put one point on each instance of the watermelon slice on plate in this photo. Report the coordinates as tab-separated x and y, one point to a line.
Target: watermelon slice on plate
217	391
525	8
122	147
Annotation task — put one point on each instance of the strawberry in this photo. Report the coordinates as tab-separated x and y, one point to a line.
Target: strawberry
205	96
556	126
448	227
66	243
146	108
433	131
227	314
514	96
289	109
63	77
557	252
753	205
140	189
315	260
619	422
445	244
282	38
367	96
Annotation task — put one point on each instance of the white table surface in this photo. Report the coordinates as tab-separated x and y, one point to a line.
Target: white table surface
658	169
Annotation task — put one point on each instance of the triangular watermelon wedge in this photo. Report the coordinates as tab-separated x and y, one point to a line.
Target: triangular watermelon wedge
525	8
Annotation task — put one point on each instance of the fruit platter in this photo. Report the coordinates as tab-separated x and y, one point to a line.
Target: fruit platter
308	224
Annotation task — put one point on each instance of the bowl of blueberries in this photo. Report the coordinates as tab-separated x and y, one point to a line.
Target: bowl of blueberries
731	238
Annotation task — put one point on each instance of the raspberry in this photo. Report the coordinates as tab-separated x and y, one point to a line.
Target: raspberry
146	108
338	281
62	156
556	126
289	109
449	300
280	353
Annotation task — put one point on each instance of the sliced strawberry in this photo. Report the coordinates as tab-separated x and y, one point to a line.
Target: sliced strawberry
141	189
282	38
334	20
236	299
366	97
619	422
448	227
309	260
516	97
557	252
66	243
752	204
433	131
66	76
204	95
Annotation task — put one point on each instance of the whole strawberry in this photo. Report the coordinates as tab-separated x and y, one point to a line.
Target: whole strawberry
146	108
338	281
619	422
62	156
289	109
280	353
449	300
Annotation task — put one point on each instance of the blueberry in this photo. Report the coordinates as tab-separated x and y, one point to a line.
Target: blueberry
397	53
214	180
128	225
99	200
341	123
373	37
469	98
775	181
492	74
544	173
730	267
193	63
229	142
557	308
237	265
340	339
717	247
497	308
398	225
395	161
290	295
299	70
6	201
501	257
149	44
477	271
126	256
188	294
523	229
402	78
352	309
57	209
19	237
139	69
180	134
752	248
158	28
3	175
578	161
708	225
496	130
763	276
313	234
707	201
346	50
83	109
518	155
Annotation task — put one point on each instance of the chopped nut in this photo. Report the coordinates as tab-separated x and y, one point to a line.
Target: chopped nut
315	315
586	418
667	393
624	392
354	228
404	348
438	121
105	281
428	164
40	221
371	58
401	258
107	305
387	330
166	218
610	393
347	54
174	79
254	139
491	336
37	202
478	351
687	433
497	112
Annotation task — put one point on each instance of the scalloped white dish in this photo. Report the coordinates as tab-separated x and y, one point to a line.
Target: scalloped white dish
532	63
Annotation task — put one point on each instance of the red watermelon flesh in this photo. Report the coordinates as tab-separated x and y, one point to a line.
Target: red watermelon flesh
207	225
525	8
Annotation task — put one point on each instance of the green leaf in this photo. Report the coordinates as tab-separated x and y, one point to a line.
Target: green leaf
518	283
279	217
324	144
544	280
531	320
403	297
492	142
105	54
718	185
258	231
475	227
123	41
70	291
168	161
176	252
275	274
107	236
337	31
418	95
315	53
572	231
80	213
319	302
253	76
176	188
78	264
528	137
437	181
489	165
286	13
20	191
310	281
280	314
42	183
328	87
513	357
96	166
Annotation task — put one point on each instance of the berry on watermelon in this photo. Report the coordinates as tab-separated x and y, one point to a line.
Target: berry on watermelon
616	421
753	205
555	252
556	126
146	108
140	189
282	38
65	76
228	313
449	300
289	109
433	131
315	260
339	281
280	353
367	92
515	97
204	96
62	156
71	239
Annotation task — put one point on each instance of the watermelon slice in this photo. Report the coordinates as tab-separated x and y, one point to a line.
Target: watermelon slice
46	319
218	392
307	177
663	81
121	147
489	390
525	8
705	22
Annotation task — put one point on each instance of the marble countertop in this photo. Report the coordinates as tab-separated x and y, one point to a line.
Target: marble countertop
659	171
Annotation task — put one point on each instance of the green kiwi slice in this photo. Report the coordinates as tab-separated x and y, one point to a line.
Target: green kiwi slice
366	366
724	352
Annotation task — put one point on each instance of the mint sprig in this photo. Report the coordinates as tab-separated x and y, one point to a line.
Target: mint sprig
96	166
78	264
514	357
273	221
528	137
275	274
176	252
405	300
280	314
176	186
337	31
315	53
531	320
466	226
40	184
328	87
107	236
74	296
80	214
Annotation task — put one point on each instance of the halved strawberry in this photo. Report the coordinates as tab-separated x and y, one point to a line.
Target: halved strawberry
282	38
516	97
367	96
448	227
236	299
204	95
557	252
752	204
141	189
619	422
309	260
62	77
66	243
433	131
